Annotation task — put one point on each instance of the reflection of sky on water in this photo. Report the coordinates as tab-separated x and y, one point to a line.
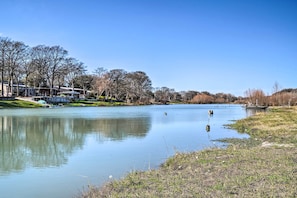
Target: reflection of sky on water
72	147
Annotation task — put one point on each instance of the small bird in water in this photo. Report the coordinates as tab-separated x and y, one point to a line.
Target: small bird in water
165	113
210	112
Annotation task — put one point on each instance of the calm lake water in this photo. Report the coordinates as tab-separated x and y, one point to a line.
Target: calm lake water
57	152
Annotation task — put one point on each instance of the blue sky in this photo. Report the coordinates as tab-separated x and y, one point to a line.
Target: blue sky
203	45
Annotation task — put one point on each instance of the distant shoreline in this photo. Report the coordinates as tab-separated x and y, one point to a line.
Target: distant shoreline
26	103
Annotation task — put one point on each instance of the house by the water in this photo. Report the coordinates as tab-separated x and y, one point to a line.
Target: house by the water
25	91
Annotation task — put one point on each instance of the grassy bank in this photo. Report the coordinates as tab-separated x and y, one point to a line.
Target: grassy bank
18	104
263	166
27	104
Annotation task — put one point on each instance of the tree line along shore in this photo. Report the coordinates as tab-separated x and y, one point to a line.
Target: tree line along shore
42	70
264	165
285	97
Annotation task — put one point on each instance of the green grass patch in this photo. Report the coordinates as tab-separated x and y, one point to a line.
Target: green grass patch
18	104
80	103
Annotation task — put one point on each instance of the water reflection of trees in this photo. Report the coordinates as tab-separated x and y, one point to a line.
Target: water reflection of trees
115	129
46	141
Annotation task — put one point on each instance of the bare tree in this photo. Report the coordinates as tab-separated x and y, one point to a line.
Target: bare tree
256	96
117	82
57	56
100	85
72	69
163	94
101	82
138	87
85	82
28	70
100	71
40	63
189	95
275	98
4	43
49	62
275	88
14	53
176	97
